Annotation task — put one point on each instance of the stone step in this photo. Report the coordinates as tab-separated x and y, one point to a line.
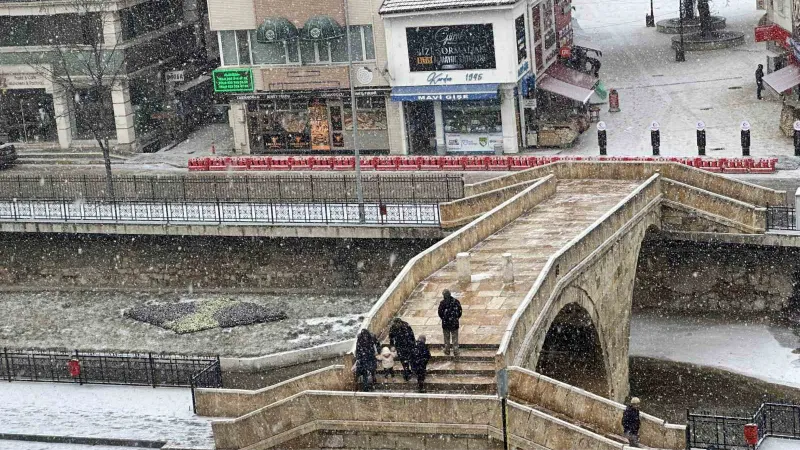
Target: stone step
453	367
453	384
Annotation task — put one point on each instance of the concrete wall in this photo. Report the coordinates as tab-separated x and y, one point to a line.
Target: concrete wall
236	403
601	264
619	170
697	277
585	407
444	251
463	211
41	261
313	411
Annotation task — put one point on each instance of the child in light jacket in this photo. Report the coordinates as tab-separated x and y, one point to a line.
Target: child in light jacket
386	358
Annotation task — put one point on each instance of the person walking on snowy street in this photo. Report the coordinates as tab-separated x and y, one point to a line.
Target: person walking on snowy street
759	80
631	422
421	357
401	337
450	312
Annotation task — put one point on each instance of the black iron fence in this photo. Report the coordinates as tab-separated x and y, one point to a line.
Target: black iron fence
109	368
781	218
723	432
377	188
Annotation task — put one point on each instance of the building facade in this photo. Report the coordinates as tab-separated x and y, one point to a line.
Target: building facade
286	74
48	39
480	76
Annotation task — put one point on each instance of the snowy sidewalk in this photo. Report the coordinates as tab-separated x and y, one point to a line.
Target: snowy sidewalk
119	412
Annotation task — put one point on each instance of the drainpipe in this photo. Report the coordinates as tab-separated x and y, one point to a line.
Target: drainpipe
357	156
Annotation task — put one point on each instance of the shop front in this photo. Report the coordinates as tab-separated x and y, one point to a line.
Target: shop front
458	76
308	122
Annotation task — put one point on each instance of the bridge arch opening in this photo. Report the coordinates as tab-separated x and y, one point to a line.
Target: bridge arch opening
572	352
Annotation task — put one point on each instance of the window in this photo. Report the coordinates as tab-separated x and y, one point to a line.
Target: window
62	29
243	43
150	16
371	114
228	48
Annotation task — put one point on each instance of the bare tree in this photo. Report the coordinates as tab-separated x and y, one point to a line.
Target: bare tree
86	71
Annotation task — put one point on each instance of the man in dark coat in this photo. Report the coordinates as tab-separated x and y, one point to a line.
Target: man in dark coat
401	337
631	422
420	363
366	362
450	312
759	80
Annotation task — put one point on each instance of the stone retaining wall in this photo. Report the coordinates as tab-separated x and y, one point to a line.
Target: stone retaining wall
748	217
585	407
43	261
237	403
704	277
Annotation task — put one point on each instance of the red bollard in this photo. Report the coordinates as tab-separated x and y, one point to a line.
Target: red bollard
613	101
213	148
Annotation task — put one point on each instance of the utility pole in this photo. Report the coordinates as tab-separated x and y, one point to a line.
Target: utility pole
359	187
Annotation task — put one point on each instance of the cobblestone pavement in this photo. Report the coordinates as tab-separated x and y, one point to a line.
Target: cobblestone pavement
120	412
489	303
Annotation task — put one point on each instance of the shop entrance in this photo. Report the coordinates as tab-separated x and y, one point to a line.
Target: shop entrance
421	127
27	115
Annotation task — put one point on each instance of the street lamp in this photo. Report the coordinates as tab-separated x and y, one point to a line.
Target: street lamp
359	187
650	20
680	55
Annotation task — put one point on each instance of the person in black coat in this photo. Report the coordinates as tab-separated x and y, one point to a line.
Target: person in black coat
401	337
759	80
450	313
420	363
631	422
366	362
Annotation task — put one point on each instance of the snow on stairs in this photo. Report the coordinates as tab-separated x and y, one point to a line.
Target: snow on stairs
472	372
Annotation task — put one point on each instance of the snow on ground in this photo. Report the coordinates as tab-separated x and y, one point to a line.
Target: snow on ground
717	87
94	321
772	443
21	445
122	412
756	350
196	145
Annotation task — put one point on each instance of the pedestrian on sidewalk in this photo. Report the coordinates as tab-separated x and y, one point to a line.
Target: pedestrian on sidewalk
450	312
386	358
631	422
421	357
759	80
401	337
366	361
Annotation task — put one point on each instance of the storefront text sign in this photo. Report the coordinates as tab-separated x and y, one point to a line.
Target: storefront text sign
522	46
22	81
451	47
233	80
437	78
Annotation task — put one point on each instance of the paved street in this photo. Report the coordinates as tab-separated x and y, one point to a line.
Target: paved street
717	87
121	412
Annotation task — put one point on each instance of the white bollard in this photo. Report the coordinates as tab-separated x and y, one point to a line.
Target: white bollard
463	268
508	268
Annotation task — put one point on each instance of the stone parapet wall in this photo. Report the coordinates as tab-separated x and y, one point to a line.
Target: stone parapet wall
236	403
634	170
748	217
444	251
313	411
460	212
706	277
529	318
585	407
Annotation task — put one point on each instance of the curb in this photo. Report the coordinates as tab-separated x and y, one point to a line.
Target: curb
285	359
111	442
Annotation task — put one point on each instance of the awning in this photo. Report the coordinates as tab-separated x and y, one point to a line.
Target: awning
571	76
321	28
276	29
444	93
577	93
783	79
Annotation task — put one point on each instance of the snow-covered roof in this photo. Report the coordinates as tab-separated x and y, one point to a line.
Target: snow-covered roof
403	6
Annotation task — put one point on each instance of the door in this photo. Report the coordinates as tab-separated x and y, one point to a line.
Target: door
421	127
320	126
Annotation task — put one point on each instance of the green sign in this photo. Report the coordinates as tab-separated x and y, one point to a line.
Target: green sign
233	80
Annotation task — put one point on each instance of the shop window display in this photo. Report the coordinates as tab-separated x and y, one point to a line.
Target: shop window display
371	114
472	126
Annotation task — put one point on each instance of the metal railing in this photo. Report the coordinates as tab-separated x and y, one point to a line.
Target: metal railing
135	369
210	377
220	212
781	218
723	432
234	187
